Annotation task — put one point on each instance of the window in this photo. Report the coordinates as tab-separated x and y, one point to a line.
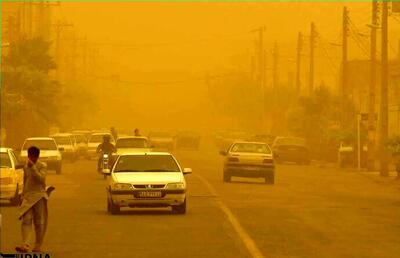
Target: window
146	163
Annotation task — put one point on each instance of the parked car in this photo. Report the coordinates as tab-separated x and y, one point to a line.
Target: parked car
347	157
11	177
153	179
161	140
129	144
94	141
187	140
67	142
291	149
50	153
249	159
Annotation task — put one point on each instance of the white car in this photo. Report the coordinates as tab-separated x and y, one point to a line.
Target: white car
94	141
11	177
249	159
129	144
67	142
153	179
50	153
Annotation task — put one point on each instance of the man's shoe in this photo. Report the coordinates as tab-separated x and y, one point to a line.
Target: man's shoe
23	248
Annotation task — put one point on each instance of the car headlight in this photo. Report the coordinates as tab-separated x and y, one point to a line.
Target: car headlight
121	186
176	186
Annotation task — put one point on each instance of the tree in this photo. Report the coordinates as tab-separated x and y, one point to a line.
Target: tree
28	101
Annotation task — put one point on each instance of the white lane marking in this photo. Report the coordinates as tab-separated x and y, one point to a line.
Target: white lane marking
243	235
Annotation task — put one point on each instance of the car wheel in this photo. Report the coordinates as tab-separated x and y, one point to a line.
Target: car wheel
112	208
270	179
226	177
16	200
58	169
180	209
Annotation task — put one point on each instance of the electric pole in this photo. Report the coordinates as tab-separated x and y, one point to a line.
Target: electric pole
298	62
313	36
372	89
59	26
261	57
345	32
275	67
384	170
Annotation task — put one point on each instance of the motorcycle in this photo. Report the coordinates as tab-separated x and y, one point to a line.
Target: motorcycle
105	163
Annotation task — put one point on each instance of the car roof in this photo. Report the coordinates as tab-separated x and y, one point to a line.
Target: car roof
61	135
4	149
146	154
249	142
132	137
98	133
39	138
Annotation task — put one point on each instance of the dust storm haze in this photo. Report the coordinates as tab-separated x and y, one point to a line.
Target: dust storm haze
287	112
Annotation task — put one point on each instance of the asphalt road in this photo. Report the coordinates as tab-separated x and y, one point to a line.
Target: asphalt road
309	212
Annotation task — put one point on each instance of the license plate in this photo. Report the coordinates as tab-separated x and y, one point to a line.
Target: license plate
149	194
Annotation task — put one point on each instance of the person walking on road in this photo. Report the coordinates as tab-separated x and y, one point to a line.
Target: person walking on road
33	208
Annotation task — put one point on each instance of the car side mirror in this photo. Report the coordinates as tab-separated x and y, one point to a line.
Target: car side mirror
61	148
187	171
223	153
19	166
106	171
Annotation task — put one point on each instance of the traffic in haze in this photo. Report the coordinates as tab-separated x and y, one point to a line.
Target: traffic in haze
263	129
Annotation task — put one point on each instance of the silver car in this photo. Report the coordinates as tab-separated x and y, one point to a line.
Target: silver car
249	159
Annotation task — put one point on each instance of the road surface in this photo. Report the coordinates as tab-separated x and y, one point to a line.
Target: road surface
310	212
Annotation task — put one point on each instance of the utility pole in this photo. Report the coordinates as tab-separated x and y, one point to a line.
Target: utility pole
275	67
59	26
345	32
261	58
298	62
313	36
372	89
384	169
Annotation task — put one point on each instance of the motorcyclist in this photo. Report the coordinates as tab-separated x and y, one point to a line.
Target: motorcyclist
105	147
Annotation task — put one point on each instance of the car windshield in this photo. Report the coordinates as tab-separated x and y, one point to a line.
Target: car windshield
61	140
146	163
5	161
291	141
96	138
41	144
251	148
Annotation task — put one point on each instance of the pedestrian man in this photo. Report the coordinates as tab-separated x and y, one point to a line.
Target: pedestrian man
33	209
137	133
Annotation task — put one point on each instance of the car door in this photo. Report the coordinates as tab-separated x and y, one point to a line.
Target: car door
19	173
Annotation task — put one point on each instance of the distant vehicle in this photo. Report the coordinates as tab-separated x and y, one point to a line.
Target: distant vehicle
162	140
11	177
129	144
86	133
50	153
249	159
67	142
153	179
265	138
347	157
81	144
291	149
231	137
94	141
187	140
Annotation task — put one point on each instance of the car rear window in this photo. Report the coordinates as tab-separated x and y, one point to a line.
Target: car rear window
41	144
5	161
132	143
251	148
